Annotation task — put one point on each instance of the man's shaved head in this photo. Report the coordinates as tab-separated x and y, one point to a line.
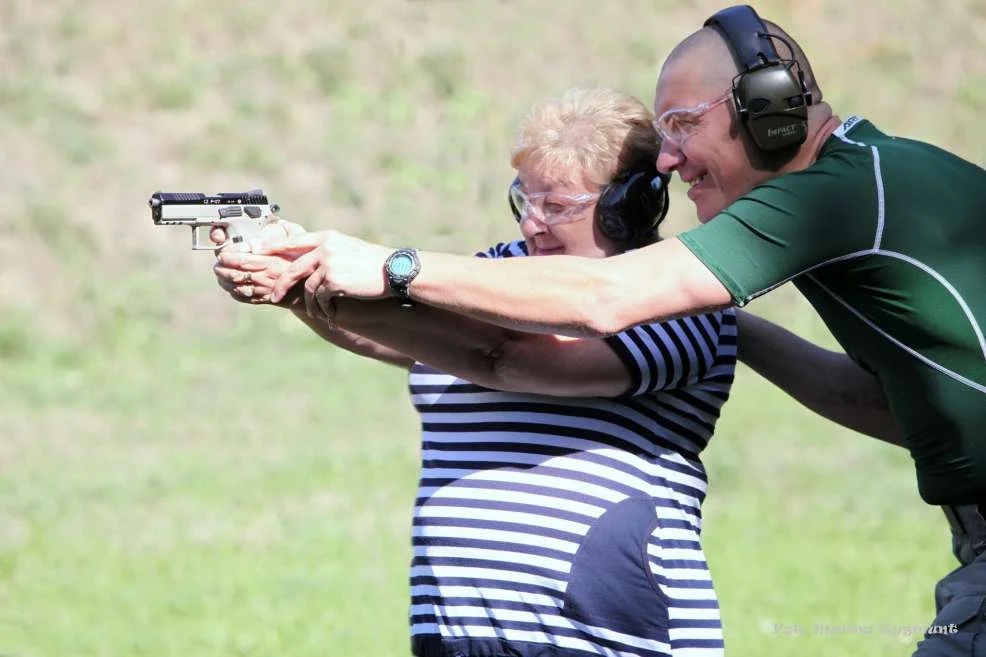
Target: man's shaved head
709	60
706	56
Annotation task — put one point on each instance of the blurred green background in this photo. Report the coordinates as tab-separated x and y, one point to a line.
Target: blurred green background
184	475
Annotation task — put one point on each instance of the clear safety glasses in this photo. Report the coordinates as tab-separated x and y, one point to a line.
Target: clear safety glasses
677	125
550	207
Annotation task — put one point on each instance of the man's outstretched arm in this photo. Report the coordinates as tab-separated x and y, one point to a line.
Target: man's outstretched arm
572	295
567	295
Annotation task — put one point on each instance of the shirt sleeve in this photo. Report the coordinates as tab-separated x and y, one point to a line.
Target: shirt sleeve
674	354
790	225
504	250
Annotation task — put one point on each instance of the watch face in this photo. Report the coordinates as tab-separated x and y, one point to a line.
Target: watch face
401	266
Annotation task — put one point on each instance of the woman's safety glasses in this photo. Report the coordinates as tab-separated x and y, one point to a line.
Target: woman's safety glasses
550	207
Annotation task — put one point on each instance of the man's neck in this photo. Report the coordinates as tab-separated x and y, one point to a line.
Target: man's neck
821	124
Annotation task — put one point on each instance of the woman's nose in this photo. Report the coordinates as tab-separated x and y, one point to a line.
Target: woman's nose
531	223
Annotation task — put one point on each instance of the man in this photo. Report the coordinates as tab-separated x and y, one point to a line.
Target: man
883	235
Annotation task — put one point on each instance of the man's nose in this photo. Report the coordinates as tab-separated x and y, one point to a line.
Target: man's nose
670	157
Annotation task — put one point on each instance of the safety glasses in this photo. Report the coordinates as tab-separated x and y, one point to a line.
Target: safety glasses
677	125
550	207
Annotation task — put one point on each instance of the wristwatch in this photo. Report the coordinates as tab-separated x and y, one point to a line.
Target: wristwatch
400	268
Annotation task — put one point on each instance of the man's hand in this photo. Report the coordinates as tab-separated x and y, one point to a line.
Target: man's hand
333	264
272	230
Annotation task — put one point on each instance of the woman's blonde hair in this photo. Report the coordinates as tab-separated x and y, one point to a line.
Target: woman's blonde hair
594	134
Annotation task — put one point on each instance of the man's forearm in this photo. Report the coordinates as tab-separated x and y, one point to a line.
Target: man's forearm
567	295
564	296
826	382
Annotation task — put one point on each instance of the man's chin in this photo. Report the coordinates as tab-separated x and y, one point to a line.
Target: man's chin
707	212
703	216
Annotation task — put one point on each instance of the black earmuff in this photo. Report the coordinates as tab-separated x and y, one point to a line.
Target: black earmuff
629	208
632	205
769	93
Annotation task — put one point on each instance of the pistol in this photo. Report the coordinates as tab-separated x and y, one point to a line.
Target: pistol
240	214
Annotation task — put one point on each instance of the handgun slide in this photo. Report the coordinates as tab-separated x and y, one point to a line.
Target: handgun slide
239	213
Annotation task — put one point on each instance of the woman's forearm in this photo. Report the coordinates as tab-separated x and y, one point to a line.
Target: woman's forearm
353	342
486	354
455	344
826	382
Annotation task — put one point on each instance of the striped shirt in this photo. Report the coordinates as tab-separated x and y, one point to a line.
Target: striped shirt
570	526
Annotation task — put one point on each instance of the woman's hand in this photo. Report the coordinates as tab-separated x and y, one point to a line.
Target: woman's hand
250	278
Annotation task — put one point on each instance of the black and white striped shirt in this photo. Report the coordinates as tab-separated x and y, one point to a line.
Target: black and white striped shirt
571	526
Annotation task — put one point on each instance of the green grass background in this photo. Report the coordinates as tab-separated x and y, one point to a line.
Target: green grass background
182	475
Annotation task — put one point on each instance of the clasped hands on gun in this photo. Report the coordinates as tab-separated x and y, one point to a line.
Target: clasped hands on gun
261	259
285	264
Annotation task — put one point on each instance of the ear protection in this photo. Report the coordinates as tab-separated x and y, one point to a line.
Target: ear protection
630	207
771	98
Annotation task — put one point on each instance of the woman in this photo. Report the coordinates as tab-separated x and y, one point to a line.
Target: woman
559	506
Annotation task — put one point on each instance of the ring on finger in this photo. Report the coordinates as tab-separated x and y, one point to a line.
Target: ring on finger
248	277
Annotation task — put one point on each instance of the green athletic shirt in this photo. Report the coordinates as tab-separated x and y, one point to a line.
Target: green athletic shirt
886	238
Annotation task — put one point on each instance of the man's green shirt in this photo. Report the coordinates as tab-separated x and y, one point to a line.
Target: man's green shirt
886	237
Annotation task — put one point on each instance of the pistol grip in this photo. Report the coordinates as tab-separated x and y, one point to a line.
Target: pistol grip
236	233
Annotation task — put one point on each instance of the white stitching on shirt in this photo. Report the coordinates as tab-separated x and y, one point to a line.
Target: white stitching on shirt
881	209
948	286
924	359
847	256
850	123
